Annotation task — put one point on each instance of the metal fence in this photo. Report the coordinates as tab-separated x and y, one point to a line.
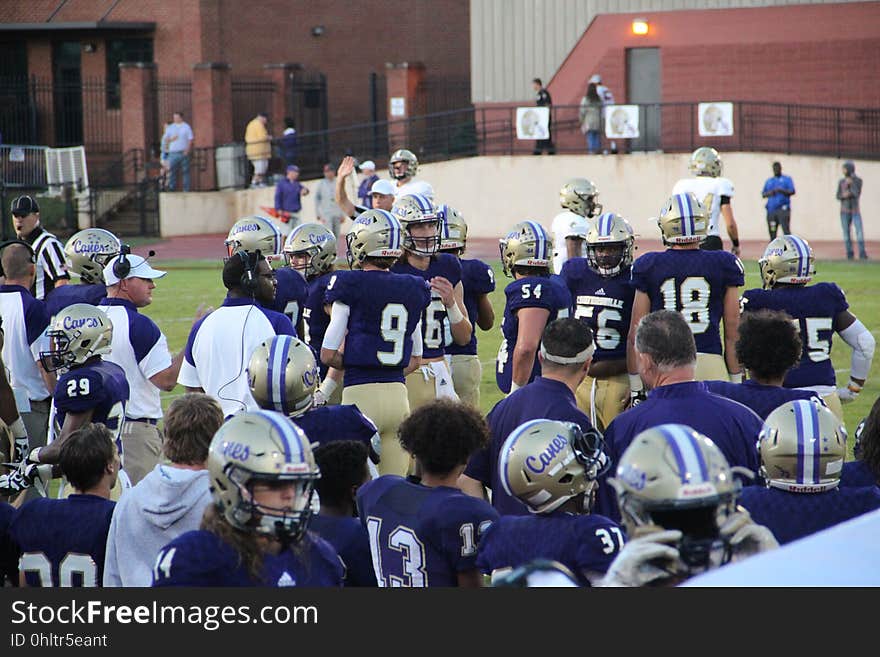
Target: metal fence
249	96
172	95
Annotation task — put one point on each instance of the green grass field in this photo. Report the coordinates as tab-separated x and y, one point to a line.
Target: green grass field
190	282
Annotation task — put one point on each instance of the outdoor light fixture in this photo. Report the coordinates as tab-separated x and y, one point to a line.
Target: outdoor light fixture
640	26
318	30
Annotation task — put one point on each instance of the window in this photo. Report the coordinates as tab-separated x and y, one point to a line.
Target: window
124	50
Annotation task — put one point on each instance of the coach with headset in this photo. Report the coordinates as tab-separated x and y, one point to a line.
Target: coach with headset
141	349
220	345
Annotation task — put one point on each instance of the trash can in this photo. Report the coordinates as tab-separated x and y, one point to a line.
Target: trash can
231	166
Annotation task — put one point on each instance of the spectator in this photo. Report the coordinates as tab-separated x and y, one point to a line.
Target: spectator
328	211
591	117
51	270
542	99
258	148
170	500
849	189
287	143
288	197
365	198
777	191
177	142
382	192
607	99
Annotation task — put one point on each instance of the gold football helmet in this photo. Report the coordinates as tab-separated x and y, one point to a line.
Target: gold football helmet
376	234
414	209
283	375
580	196
545	463
787	259
266	447
526	245
683	220
315	241
453	228
803	447
89	251
410	167
254	233
610	230
705	161
79	332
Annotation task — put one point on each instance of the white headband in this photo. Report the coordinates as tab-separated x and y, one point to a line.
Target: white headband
581	357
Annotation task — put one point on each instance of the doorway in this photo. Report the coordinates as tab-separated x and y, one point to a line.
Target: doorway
643	89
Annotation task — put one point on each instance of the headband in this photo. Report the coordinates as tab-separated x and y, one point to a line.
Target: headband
581	357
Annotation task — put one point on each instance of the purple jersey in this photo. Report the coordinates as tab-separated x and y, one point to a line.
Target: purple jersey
694	283
349	538
327	424
542	398
436	333
67	295
384	309
315	320
582	543
291	293
857	474
791	516
548	293
9	552
421	536
201	558
602	303
760	398
99	386
814	308
477	279
733	427
62	542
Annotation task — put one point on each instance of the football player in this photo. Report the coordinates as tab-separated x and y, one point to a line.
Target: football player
802	447
378	315
444	321
580	196
534	299
478	281
714	192
603	298
426	532
677	496
820	310
551	467
865	469
569	232
263	475
63	542
310	249
403	166
88	252
768	346
343	466
701	285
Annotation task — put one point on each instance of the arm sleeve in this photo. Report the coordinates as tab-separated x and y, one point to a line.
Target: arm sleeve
418	347
336	328
857	336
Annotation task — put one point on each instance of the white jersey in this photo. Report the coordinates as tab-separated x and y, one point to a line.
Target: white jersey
708	192
24	325
566	224
415	187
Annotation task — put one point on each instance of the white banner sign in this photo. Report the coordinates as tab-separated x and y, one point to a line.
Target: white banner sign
715	119
621	121
532	122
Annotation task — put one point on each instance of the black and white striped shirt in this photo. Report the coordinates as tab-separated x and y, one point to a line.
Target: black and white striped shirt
51	263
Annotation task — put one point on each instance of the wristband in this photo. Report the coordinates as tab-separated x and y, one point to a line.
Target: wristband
328	387
454	313
34	456
635	383
852	386
513	387
736	377
735	242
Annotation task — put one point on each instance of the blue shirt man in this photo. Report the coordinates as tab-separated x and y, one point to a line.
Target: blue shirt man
778	190
288	193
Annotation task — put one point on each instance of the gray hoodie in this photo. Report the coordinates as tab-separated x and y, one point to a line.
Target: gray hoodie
163	505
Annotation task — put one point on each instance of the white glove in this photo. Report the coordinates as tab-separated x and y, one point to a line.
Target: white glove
318	399
633	567
850	393
745	536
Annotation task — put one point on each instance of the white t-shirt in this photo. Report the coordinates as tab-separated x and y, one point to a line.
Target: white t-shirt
415	187
708	192
22	344
566	224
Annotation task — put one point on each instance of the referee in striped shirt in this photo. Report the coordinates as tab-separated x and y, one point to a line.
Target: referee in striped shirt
51	263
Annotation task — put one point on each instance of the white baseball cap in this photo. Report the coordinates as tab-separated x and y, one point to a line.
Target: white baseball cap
596	79
140	268
382	187
369	164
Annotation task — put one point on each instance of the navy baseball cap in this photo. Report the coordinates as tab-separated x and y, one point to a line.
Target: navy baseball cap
24	205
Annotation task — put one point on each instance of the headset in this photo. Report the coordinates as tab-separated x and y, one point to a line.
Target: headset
122	265
3	245
249	281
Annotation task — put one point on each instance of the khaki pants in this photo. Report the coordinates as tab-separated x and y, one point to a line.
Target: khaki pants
141	448
386	404
420	390
603	399
466	375
711	367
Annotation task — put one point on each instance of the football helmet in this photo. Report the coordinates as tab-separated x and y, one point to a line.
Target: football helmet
316	241
609	230
857	438
254	233
580	196
283	375
453	228
705	161
413	209
683	220
79	332
802	447
262	446
376	234
526	245
787	259
89	251
544	463
411	164
672	477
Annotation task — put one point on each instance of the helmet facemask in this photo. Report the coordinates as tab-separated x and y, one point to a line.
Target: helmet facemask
610	258
59	355
423	245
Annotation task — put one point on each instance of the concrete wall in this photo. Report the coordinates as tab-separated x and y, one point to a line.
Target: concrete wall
493	193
